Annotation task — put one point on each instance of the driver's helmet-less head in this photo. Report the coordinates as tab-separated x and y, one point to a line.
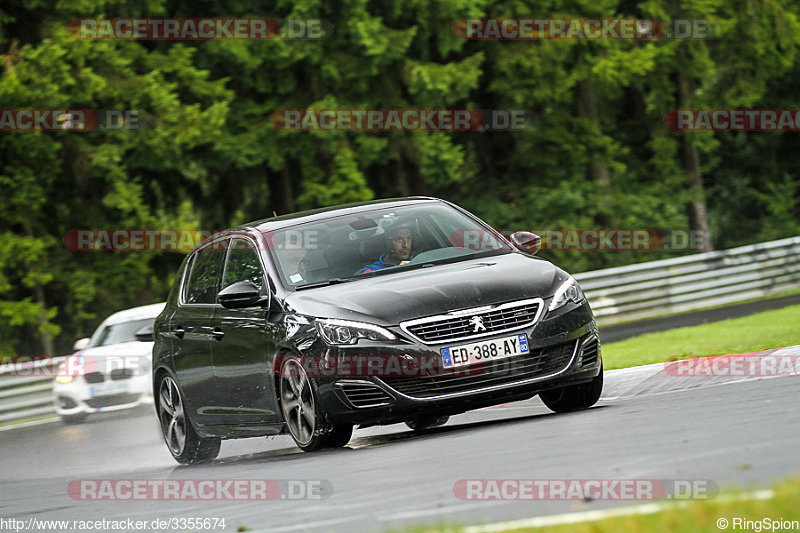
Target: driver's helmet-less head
391	225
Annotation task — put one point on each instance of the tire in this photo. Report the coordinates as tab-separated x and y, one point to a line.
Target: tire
574	397
183	442
74	419
302	411
427	422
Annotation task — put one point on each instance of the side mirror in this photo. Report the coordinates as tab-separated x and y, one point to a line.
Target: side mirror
241	294
80	344
145	334
527	242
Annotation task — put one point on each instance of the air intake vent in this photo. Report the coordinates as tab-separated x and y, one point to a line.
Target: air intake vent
590	352
94	377
365	394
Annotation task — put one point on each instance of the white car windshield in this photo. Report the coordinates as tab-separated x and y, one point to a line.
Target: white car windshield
121	332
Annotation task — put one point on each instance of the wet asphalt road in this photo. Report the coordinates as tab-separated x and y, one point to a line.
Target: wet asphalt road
737	434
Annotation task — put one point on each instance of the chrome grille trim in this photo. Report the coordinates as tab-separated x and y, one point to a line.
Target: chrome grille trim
493	317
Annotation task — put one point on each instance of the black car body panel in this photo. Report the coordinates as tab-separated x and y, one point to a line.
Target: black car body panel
225	360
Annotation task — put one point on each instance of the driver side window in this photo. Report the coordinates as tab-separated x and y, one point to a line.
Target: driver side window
243	265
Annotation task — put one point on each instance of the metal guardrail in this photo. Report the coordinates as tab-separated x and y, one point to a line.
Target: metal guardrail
26	390
668	286
617	294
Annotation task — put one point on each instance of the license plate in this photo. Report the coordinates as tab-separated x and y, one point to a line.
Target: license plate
483	351
109	387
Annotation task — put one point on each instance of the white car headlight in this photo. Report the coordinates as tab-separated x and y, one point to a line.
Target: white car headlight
336	331
569	291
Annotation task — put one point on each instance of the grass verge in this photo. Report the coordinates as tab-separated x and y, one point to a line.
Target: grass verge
702	516
761	331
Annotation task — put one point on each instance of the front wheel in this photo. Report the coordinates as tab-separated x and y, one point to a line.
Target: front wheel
574	397
185	445
304	416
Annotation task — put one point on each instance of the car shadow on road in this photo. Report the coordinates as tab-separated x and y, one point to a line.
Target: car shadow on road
292	453
454	428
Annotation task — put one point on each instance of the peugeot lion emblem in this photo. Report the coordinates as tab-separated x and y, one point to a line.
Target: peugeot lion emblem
477	322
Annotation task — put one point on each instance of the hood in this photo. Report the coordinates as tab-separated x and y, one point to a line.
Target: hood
392	298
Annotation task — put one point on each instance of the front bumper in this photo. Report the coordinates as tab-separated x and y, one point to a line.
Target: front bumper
564	350
80	397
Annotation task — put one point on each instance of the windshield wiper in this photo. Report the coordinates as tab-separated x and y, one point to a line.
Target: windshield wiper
332	281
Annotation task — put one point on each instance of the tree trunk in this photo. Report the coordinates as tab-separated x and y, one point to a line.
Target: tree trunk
698	213
38	294
598	170
280	191
401	179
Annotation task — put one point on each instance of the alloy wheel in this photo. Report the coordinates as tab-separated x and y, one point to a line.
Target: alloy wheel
297	401
173	418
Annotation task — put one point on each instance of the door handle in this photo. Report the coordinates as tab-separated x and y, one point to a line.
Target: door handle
179	331
218	334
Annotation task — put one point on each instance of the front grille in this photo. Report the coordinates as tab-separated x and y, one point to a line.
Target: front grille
94	377
121	373
112	399
508	371
365	394
505	317
590	351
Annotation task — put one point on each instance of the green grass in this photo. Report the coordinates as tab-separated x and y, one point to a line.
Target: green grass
761	331
697	516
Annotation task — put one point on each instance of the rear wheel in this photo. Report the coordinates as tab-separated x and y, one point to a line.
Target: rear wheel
305	418
574	397
425	422
185	445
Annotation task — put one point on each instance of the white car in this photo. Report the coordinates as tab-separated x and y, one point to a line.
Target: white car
112	369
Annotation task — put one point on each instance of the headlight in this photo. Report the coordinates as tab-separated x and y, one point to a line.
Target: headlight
62	375
336	331
569	291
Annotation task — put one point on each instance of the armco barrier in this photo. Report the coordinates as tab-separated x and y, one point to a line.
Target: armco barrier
26	390
633	292
617	294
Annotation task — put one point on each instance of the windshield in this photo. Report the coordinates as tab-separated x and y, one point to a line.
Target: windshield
380	241
121	332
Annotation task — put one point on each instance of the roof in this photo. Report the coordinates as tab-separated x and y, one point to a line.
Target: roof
301	217
136	313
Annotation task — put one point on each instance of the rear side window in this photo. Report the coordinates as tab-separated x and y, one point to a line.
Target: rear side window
204	279
243	265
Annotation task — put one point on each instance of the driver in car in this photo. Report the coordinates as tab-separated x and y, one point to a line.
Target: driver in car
293	259
399	253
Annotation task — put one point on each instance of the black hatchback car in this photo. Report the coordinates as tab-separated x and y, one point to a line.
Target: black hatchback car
406	310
